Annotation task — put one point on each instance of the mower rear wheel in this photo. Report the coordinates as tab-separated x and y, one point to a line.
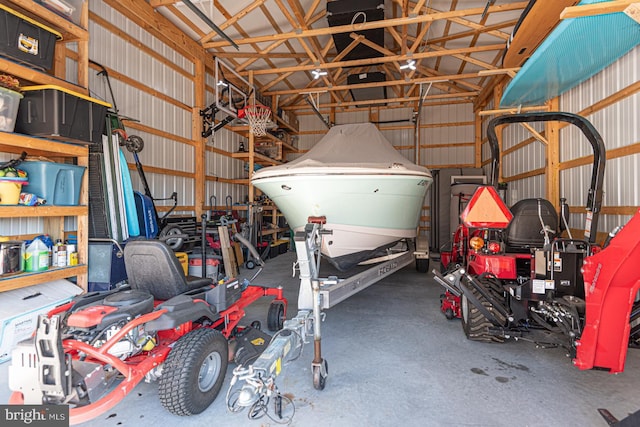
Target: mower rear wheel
275	317
194	371
475	324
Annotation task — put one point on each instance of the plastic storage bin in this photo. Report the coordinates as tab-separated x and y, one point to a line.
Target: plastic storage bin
184	261
9	101
58	113
25	40
195	266
57	183
19	310
68	9
10	189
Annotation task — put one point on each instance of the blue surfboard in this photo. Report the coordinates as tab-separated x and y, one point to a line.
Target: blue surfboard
129	199
574	51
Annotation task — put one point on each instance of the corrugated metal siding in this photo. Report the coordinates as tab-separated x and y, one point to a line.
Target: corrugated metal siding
526	159
533	187
619	127
171	115
459	131
359	116
18	226
437	157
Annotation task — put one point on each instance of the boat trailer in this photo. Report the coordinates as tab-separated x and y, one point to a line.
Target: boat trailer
257	381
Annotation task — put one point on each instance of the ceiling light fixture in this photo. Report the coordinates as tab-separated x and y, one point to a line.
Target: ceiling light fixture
411	65
222	83
318	73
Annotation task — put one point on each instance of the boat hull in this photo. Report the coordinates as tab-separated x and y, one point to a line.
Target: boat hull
366	212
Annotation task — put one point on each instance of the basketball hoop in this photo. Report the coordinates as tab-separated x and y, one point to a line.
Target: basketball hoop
258	117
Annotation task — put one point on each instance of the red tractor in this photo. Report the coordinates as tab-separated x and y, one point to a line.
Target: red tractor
511	275
163	326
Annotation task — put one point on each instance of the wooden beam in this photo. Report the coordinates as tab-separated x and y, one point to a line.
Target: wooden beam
200	155
381	60
535	133
292	55
144	47
596	8
511	72
470	33
394	22
530	174
611	154
480	28
514	110
235	18
401	100
465	58
497	94
155	131
376	84
160	27
552	133
478	140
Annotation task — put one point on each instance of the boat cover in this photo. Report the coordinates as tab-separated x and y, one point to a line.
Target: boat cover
360	146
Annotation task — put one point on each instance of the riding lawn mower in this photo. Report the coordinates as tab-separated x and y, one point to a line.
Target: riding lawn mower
512	274
163	326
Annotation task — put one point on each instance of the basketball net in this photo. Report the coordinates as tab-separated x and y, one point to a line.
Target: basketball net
258	117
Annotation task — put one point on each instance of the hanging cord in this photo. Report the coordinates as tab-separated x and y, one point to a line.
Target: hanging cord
358	15
261	409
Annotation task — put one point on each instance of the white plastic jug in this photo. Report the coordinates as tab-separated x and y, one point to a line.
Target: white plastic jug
36	256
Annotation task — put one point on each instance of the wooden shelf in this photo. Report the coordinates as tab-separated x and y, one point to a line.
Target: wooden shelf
286	125
70	33
42	211
53	222
69	30
259	158
32	75
34	146
267	231
22	280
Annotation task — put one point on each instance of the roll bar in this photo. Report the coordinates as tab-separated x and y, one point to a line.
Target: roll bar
594	197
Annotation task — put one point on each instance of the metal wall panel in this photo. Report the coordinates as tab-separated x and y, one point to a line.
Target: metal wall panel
359	116
19	226
147	105
532	187
619	127
452	155
526	159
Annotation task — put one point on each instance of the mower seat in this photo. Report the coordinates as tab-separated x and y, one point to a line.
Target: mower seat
525	229
152	267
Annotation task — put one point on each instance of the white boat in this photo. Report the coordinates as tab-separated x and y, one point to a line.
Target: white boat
370	194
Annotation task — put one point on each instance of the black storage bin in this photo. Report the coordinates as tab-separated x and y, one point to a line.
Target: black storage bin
26	41
367	93
58	113
347	12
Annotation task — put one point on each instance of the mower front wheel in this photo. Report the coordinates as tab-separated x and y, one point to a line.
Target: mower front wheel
194	371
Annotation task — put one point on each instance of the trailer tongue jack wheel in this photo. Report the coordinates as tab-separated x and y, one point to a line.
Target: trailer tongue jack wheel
320	374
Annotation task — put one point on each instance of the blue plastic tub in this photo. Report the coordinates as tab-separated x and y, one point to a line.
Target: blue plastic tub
57	183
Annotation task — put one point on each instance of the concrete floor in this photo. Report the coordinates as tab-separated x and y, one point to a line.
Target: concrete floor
394	359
